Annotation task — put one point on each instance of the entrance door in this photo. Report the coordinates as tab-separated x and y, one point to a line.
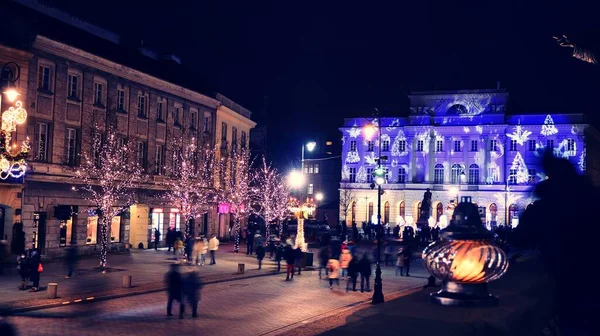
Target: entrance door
205	224
39	236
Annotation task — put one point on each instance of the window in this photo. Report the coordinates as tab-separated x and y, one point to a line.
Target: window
41	138
158	222
457	146
402	209
353	145
206	123
473	145
493	174
439	146
456	174
305	169
402	146
370	145
386	213
115	229
316	168
352	175
438	174
92	230
385	145
243	143
532	178
370	215
549	144
420	144
44	78
71	146
176	115
531	145
512	176
311	169
193	114
570	144
473	174
224	132
401	175
160	114
141	154
513	214
73	86
369	175
142	106
387	174
234	138
121	99
493	145
310	189
99	93
120	142
159	160
513	145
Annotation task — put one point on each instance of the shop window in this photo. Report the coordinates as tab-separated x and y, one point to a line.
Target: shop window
66	231
92	230
115	229
158	221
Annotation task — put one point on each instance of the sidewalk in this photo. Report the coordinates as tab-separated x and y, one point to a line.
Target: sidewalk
525	309
147	267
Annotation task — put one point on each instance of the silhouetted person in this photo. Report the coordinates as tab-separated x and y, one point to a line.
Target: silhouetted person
290	258
170	239
260	255
353	271
156	238
364	266
192	286
174	289
71	260
34	268
249	241
6	329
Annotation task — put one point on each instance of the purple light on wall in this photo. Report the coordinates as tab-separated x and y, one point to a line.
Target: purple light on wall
223	208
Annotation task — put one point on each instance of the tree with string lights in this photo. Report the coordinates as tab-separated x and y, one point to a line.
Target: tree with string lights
108	177
270	194
234	187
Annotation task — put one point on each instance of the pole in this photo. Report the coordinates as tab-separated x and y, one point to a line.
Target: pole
378	286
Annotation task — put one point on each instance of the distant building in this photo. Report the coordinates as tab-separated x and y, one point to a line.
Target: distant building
459	144
258	142
322	171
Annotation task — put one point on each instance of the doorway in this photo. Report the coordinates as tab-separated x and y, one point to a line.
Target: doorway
39	235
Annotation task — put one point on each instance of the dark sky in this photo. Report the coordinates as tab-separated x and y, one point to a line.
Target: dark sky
318	62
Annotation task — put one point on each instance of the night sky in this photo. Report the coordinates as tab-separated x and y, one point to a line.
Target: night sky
318	62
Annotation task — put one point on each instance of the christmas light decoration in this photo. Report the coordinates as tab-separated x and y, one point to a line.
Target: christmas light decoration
581	163
520	135
361	176
479	129
354	132
345	173
352	157
495	155
548	127
270	194
12	163
394	163
393	125
396	148
370	159
518	164
466	129
107	178
346	199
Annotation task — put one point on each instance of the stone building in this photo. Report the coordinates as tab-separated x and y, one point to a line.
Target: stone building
74	78
457	144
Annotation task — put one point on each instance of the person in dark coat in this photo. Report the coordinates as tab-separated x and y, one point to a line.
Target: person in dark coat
23	269
174	289
364	266
71	260
170	240
260	255
189	248
191	287
353	271
279	256
324	255
156	238
249	241
34	269
298	255
290	258
396	231
407	252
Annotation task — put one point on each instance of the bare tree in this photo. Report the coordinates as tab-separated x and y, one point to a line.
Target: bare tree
347	197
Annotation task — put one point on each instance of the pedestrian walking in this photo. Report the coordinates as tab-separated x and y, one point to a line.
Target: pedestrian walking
213	246
353	271
333	265
249	240
387	254
260	255
156	238
71	260
4	255
174	290
407	258
324	255
178	247
298	255
278	256
345	261
170	240
290	258
189	248
364	266
400	262
35	269
23	269
192	286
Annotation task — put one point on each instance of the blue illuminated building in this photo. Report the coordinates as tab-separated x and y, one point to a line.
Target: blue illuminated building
459	143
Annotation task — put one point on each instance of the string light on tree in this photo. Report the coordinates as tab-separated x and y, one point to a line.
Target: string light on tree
548	127
270	194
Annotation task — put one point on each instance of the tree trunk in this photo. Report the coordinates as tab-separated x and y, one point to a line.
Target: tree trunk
104	224
237	228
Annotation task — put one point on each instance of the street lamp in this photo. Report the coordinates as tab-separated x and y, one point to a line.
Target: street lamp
295	179
378	180
310	146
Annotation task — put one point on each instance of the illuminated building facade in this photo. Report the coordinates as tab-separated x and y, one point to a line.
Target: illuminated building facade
457	144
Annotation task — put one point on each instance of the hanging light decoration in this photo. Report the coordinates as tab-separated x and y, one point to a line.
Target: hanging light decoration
12	161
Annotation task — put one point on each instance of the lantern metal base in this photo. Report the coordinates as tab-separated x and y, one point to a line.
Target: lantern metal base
465	295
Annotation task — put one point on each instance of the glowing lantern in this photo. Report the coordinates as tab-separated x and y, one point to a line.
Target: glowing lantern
465	260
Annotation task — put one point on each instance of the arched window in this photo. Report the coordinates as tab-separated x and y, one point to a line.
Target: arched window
439	211
456	170
493	214
402	210
513	213
438	174
370	212
473	174
354	212
386	212
416	217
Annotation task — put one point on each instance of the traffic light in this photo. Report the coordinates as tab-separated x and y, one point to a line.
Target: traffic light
379	175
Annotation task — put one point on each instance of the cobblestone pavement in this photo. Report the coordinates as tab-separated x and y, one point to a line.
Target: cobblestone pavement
244	307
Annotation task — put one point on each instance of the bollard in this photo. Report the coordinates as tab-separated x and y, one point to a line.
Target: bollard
241	268
127	281
52	290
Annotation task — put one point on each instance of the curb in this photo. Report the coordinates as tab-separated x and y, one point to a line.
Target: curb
390	296
9	312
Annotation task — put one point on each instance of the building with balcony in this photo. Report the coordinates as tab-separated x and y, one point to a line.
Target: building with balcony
459	143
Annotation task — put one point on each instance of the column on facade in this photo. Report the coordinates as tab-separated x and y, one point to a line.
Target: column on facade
428	159
448	168
486	157
465	140
411	163
503	170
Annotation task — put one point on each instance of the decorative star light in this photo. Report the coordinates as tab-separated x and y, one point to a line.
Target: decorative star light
548	127
371	159
343	140
394	163
562	150
518	164
352	157
520	135
354	132
479	129
576	129
542	176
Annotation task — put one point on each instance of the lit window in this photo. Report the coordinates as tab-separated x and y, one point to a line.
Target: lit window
115	229
473	145
438	176
513	145
420	144
316	168
305	169
311	169
439	146
310	189
457	146
92	230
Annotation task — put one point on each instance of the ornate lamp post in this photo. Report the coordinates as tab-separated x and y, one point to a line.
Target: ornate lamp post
12	161
465	259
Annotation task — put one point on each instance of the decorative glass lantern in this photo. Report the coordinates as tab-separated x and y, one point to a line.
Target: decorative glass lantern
465	259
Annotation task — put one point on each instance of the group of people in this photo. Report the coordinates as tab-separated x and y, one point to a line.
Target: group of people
194	250
349	264
30	267
182	289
